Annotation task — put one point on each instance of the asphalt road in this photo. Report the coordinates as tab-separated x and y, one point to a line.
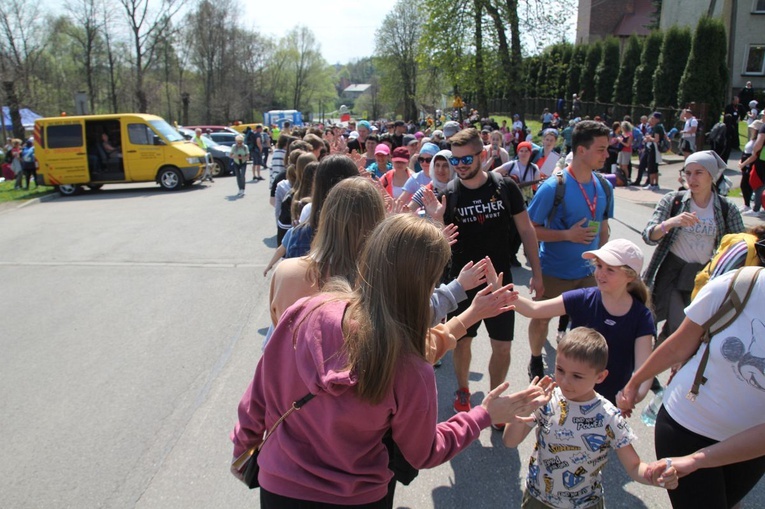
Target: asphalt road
133	322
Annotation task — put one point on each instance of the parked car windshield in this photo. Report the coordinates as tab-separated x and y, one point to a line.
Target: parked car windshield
166	130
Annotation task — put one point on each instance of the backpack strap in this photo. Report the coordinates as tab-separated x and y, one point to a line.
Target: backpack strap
500	186
676	203
607	190
452	195
734	302
560	191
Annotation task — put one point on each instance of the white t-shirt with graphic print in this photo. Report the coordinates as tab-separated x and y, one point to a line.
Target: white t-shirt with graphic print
733	397
573	442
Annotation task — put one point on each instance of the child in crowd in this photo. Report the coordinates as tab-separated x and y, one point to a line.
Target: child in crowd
617	308
575	430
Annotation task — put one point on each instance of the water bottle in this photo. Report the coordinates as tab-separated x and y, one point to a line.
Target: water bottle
648	416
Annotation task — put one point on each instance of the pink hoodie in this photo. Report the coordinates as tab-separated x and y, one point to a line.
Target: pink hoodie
331	450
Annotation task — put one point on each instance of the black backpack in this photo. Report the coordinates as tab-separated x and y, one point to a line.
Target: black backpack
500	183
285	214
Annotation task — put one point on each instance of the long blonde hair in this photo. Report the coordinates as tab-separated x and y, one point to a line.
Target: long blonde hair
389	314
351	211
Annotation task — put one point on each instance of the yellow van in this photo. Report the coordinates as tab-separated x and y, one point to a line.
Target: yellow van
94	150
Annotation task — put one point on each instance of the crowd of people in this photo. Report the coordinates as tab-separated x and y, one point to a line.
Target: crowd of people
397	241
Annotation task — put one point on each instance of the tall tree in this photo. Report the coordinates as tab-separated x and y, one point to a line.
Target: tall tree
145	28
674	55
211	27
398	46
573	76
21	45
591	62
642	89
630	62
706	74
86	32
607	70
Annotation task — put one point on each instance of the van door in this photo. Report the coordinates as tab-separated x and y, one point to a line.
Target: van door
65	160
141	156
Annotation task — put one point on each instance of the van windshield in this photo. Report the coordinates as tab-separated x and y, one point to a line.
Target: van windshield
166	130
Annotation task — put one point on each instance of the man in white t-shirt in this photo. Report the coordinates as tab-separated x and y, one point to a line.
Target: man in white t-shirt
688	143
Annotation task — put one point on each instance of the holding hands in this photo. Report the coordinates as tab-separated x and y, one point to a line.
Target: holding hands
661	473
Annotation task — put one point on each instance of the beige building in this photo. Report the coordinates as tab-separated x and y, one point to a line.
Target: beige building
745	23
597	19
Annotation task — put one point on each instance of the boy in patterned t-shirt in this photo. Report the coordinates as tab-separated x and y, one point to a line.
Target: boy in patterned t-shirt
575	431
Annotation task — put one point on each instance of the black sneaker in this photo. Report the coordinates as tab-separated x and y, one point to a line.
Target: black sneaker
536	367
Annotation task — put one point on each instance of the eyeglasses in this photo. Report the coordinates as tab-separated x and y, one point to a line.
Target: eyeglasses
425	159
466	160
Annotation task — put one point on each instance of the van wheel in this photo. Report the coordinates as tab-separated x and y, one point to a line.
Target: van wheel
217	168
170	179
95	187
68	189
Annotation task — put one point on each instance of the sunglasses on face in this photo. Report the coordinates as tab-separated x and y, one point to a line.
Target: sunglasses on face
466	160
425	159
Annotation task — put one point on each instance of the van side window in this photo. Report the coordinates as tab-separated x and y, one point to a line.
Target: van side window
140	134
65	136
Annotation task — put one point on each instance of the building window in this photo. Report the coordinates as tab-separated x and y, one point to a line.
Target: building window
759	6
755	59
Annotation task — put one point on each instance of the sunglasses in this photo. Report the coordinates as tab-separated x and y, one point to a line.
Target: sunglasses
425	159
760	249
466	160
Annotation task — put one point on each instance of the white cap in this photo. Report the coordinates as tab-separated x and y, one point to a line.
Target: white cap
618	252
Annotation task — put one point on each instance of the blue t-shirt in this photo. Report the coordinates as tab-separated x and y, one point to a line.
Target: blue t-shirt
564	259
585	307
415	182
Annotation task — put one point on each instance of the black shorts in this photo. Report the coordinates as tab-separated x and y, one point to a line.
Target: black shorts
500	327
256	157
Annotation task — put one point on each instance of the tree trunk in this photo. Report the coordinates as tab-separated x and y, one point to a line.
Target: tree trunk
483	108
516	59
13	109
185	100
504	50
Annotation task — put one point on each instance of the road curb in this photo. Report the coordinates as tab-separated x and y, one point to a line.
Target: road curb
48	197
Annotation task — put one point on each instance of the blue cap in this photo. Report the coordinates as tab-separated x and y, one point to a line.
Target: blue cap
430	149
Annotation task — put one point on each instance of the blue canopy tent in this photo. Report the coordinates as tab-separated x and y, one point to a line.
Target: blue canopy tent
28	118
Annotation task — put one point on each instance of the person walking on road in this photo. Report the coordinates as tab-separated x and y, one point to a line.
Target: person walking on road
568	229
488	209
687	226
239	155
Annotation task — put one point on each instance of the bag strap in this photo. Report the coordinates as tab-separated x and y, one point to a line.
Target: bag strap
560	191
739	290
296	405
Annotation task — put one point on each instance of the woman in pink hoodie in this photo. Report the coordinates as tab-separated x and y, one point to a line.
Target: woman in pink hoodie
362	353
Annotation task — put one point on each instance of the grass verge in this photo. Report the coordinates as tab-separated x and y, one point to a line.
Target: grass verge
9	194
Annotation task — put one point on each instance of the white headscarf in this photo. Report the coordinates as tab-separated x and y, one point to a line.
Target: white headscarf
710	161
441	186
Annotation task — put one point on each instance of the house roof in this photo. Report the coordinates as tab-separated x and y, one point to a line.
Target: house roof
360	88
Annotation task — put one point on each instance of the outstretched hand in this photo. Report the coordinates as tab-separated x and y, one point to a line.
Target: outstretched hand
472	274
433	206
488	303
504	409
547	384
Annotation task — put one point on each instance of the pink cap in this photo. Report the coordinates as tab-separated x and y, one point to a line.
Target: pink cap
418	135
619	252
382	148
